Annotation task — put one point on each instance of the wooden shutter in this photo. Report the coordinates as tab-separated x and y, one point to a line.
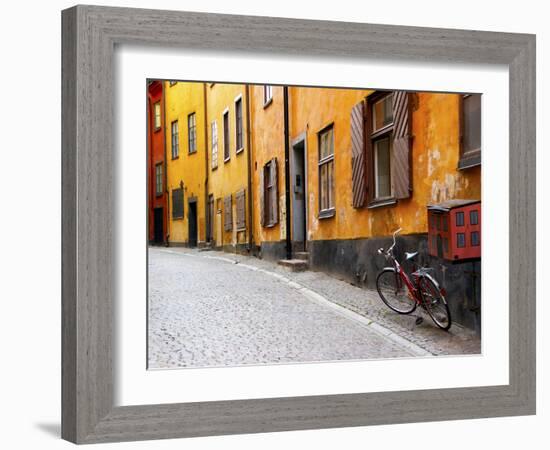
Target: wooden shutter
358	166
274	191
262	195
241	209
401	169
227	214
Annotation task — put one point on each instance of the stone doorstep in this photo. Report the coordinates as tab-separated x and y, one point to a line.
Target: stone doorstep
294	265
301	255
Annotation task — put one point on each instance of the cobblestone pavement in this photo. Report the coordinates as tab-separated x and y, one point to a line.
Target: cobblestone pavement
215	309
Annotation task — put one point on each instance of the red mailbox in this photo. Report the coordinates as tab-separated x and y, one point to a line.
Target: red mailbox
454	229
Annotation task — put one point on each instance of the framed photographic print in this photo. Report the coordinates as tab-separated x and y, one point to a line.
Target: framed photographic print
265	229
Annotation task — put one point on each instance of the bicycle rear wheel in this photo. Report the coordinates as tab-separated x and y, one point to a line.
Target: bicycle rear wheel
393	292
434	302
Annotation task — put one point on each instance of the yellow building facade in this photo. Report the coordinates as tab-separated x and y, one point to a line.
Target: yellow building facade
186	153
228	134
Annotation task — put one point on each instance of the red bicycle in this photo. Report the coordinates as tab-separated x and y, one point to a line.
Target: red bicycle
403	293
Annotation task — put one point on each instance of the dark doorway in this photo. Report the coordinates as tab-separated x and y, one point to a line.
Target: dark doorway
159	225
299	196
192	216
210	219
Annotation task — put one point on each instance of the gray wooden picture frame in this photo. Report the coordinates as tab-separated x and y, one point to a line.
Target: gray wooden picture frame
90	34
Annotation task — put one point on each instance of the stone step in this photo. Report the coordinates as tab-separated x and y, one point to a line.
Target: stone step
295	265
301	255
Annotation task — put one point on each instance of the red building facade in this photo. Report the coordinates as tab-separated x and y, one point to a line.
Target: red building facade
157	211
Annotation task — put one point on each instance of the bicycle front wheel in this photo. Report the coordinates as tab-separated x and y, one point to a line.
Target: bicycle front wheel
434	302
394	292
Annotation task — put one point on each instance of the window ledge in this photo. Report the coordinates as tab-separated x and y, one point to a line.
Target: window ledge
177	218
239	150
175	157
226	160
327	213
269	102
381	203
470	161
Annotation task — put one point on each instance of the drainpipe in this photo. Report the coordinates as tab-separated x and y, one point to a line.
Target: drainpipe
249	154
287	175
206	205
167	218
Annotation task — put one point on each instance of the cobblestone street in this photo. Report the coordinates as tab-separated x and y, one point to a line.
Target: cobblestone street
217	309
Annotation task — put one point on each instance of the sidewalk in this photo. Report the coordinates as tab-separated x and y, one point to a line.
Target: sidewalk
366	303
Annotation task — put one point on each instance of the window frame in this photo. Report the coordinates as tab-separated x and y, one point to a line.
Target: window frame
325	213
158	183
373	136
267	99
471	157
155	126
226	136
269	186
239	148
175	155
214	126
192	133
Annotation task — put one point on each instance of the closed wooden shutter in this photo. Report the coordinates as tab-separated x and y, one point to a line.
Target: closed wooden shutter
227	214
262	196
401	177
241	209
274	192
358	166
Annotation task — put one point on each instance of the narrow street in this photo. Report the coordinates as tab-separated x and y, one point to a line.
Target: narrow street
216	309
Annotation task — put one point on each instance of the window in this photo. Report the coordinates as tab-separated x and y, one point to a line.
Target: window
268	94
175	140
474	219
326	173
474	238
460	240
239	125
158	179
173	83
214	143
470	133
157	116
269	211
177	203
382	145
459	218
226	154
192	133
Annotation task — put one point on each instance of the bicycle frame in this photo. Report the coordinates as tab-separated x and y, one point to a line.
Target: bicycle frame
400	271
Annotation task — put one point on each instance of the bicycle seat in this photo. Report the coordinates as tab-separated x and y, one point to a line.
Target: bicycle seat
410	255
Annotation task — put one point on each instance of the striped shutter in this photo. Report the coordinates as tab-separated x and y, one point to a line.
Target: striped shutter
401	168
241	209
358	165
274	192
227	214
261	191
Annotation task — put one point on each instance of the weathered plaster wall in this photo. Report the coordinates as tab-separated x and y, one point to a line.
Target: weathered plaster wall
267	142
435	155
183	99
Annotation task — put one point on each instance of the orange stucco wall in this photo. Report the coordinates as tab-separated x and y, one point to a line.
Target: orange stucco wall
435	154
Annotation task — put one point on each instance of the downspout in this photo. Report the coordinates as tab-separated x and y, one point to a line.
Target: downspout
249	154
166	202
210	230
287	175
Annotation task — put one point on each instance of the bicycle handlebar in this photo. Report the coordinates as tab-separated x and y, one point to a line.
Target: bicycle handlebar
389	250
